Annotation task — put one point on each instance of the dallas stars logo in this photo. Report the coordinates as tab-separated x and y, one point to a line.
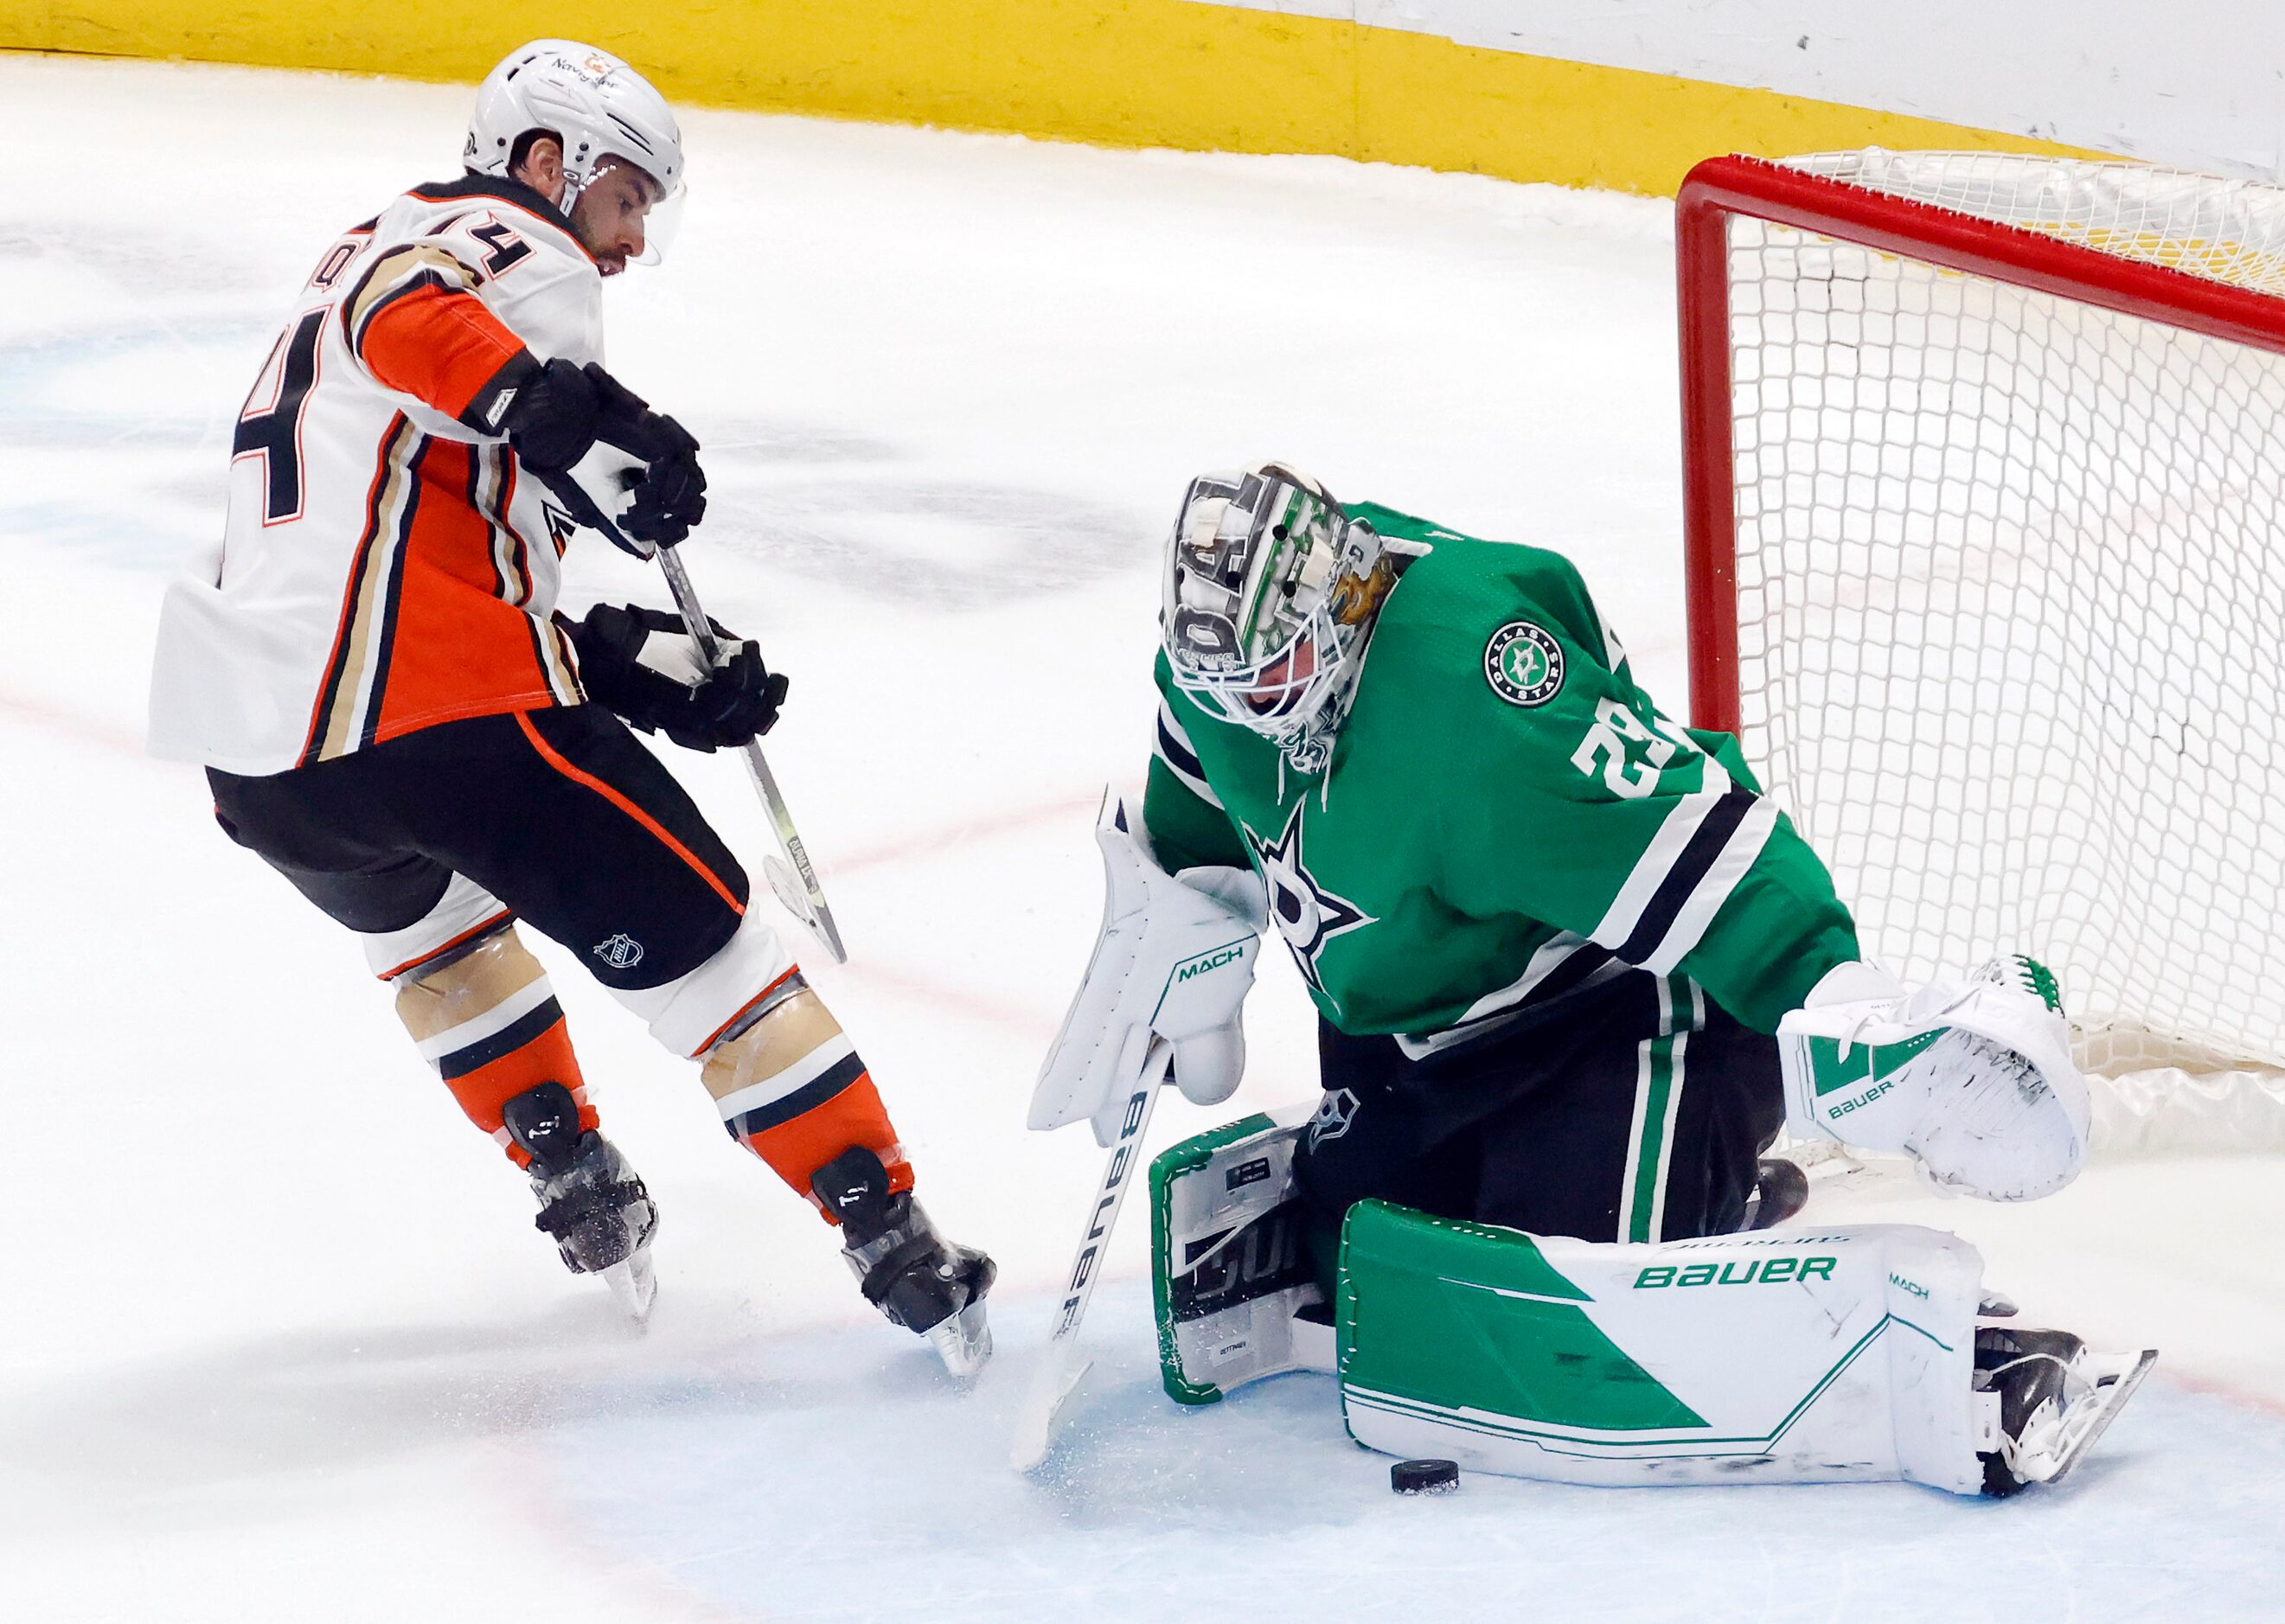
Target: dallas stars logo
1306	913
1524	665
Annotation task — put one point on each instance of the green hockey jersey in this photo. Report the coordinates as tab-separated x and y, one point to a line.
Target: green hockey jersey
1505	817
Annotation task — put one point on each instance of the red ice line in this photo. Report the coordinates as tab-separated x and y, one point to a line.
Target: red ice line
87	729
955	1000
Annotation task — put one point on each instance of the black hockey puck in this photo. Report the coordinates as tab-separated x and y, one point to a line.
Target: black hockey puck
1425	1477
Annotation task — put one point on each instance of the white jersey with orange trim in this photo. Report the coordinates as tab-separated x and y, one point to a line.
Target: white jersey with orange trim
386	565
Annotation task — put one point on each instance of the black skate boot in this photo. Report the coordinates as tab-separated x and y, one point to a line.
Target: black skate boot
1780	1190
2055	1398
590	1200
906	1269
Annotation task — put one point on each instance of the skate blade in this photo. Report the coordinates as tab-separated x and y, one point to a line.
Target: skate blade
635	1285
963	1341
2101	1407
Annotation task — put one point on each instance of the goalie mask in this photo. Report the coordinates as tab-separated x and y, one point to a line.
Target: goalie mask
1269	594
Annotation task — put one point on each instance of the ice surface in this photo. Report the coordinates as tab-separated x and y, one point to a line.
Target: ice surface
279	1340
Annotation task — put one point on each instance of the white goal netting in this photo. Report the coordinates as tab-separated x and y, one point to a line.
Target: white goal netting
2011	597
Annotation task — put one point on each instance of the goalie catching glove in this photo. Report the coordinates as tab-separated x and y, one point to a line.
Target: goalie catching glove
1174	960
1972	1079
642	663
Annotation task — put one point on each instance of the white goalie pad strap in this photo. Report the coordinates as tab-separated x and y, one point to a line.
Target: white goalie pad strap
689	1013
1840	1355
465	912
1174	957
1974	1078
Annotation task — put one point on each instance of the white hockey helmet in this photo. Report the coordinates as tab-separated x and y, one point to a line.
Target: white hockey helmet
1269	594
593	103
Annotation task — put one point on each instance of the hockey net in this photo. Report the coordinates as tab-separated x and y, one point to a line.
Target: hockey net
1986	487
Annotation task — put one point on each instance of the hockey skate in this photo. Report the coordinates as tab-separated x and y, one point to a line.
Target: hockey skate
2055	1398
590	1200
906	1269
1780	1190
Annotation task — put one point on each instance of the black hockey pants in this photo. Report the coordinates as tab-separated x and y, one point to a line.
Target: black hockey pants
1635	1112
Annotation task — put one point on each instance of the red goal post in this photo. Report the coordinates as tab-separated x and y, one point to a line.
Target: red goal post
1992	450
1720	190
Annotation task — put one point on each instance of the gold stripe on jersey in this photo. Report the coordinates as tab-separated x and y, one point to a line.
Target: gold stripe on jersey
490	485
400	271
349	685
490	477
562	669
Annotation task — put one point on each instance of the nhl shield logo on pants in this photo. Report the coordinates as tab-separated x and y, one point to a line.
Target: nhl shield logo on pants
621	952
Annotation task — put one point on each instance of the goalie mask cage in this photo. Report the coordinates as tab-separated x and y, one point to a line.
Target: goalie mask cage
1985	489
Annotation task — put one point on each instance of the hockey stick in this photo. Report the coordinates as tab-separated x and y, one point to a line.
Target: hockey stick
1058	1376
611	468
804	900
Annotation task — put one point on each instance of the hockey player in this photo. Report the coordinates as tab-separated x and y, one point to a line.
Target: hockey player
1573	971
394	717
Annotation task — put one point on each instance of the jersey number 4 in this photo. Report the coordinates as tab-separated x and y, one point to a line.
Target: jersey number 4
273	431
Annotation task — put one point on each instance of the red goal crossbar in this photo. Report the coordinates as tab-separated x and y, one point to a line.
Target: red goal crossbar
1722	187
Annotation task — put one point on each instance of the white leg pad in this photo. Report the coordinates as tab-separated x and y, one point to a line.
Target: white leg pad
1845	1354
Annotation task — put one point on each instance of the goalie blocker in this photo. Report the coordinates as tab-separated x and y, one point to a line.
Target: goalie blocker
1853	1353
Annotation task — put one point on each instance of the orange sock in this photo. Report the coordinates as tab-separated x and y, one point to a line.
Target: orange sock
486	1063
485	1017
802	1130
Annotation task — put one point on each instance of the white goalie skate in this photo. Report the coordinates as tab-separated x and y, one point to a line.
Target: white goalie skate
2053	1396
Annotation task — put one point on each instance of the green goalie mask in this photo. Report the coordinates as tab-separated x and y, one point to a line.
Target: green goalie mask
1269	593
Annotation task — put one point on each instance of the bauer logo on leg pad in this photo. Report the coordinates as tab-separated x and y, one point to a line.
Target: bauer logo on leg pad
1762	1271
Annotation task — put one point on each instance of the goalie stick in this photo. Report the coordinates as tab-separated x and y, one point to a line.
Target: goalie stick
610	468
1059	1372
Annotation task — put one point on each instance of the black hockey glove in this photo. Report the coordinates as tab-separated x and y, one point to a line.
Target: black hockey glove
554	415
639	663
671	496
551	416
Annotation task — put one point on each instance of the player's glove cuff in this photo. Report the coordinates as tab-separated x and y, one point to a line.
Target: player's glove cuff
548	412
